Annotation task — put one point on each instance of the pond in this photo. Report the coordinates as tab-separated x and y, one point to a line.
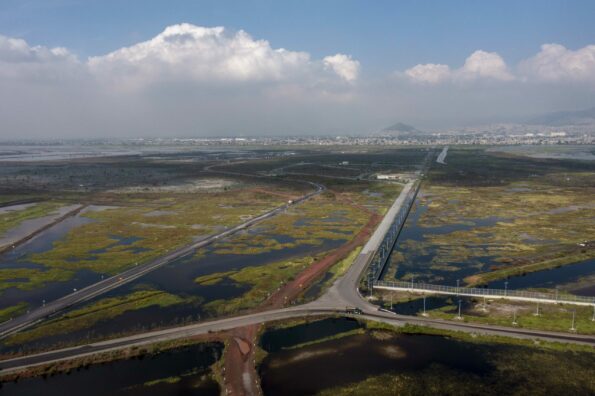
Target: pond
382	362
420	264
17	258
179	371
552	277
337	362
177	278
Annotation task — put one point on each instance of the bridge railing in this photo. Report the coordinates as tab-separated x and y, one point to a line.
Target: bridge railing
480	291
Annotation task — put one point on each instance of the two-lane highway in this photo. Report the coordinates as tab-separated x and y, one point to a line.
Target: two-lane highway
103	286
343	293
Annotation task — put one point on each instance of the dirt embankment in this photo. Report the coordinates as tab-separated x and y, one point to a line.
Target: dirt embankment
241	377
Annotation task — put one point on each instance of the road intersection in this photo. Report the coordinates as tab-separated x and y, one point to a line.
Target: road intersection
342	294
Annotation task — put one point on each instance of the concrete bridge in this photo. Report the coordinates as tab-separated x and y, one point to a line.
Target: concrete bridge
515	295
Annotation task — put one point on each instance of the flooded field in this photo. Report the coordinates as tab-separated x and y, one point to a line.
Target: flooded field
175	297
410	260
179	371
562	277
458	250
18	259
386	363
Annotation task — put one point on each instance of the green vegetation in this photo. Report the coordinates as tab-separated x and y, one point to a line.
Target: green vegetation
510	366
121	237
517	214
168	380
29	279
263	280
551	317
87	316
14	218
516	372
10	312
212	279
328	338
322	218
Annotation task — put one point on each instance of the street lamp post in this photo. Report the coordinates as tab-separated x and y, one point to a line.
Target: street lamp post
573	317
457	287
459	317
506	288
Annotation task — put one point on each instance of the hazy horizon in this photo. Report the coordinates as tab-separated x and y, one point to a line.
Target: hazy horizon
73	69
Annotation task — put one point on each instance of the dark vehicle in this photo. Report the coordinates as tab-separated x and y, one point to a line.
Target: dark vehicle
354	311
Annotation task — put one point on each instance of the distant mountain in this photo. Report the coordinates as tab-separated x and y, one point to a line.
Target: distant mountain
562	118
399	129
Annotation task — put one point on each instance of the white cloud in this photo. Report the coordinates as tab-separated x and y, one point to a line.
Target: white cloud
479	65
556	63
19	60
192	53
482	64
343	65
429	73
199	54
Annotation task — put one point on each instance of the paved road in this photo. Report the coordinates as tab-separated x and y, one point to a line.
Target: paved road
51	308
442	157
344	292
372	314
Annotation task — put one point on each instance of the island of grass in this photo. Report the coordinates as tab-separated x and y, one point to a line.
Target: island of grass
519	314
416	360
504	216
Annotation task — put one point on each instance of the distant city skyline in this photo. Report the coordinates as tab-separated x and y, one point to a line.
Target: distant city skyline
113	69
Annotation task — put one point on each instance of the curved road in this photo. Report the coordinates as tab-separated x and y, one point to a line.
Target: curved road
312	309
51	308
344	292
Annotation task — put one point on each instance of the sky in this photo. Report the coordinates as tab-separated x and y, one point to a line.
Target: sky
133	68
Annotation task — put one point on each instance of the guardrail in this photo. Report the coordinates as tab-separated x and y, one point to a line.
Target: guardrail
382	255
480	292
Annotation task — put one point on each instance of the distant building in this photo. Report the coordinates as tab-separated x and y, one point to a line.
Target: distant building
388	177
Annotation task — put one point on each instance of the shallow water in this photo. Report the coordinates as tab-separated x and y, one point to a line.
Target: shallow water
277	339
17	258
550	278
350	359
130	377
177	278
419	264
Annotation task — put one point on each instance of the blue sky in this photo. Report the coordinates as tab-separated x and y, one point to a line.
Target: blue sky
383	34
118	68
